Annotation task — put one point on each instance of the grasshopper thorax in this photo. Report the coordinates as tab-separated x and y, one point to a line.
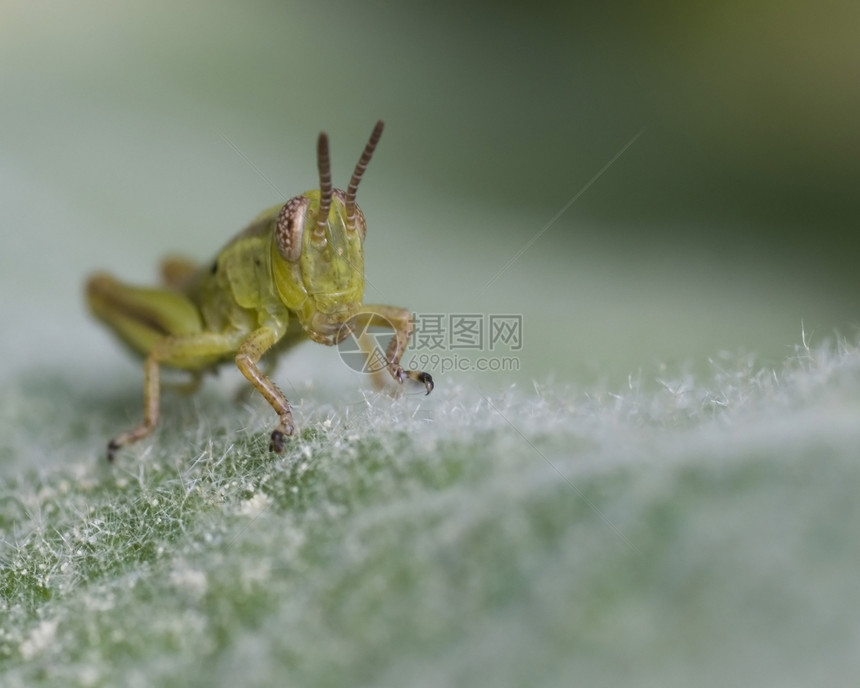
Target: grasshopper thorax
318	260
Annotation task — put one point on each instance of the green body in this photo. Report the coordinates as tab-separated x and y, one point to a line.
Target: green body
296	271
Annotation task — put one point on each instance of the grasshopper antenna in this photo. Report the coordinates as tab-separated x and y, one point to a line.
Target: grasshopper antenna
324	165
352	189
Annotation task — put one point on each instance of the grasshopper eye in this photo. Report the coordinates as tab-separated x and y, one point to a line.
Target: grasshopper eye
289	227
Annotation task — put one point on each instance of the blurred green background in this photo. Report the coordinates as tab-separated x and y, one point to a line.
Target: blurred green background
130	130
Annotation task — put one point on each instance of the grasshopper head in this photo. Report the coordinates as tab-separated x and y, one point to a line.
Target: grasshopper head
317	260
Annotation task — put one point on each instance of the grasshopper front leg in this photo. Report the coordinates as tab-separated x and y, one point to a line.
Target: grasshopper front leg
400	320
247	358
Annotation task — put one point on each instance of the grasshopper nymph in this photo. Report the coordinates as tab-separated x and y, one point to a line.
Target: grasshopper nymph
296	271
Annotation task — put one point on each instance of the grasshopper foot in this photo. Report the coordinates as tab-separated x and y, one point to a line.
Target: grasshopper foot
416	375
112	448
276	444
280	433
425	378
129	437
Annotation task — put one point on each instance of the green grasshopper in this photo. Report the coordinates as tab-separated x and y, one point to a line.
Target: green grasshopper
296	271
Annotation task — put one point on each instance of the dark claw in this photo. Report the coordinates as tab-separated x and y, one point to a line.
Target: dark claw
427	379
277	443
111	450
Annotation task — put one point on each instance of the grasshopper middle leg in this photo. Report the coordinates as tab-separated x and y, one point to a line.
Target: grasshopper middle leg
205	346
